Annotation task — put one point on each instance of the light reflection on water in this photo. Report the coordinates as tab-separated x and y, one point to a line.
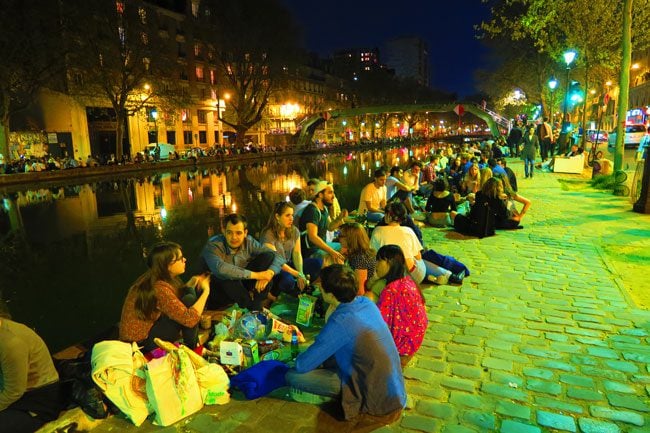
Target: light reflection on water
68	254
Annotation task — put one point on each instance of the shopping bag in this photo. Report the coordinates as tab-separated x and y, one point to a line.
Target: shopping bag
172	387
118	370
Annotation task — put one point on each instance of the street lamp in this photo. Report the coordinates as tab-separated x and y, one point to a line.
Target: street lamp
569	57
552	84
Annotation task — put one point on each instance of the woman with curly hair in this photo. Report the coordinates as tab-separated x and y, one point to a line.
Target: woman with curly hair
160	305
361	258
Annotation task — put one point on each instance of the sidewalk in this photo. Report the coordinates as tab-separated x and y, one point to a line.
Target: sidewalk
542	337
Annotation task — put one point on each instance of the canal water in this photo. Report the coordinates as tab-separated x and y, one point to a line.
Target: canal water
69	254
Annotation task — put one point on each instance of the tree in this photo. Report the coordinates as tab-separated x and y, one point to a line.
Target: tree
592	27
31	58
255	46
122	56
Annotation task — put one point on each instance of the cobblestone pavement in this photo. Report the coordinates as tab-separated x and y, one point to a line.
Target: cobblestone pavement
542	337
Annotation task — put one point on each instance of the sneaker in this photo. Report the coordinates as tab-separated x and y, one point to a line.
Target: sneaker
457	278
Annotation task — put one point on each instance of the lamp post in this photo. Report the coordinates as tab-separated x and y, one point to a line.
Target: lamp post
154	116
569	57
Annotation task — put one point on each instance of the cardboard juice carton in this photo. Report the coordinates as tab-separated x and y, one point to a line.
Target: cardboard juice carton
306	304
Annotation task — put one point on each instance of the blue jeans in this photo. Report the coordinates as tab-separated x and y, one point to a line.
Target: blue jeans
321	381
374	217
285	282
529	166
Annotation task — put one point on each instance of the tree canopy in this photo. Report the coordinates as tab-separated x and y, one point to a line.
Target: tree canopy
255	44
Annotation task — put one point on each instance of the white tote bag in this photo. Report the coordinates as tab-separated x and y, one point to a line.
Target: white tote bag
118	370
172	387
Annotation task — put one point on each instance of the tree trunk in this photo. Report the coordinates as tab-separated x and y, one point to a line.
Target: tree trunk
119	134
624	83
4	130
241	135
4	139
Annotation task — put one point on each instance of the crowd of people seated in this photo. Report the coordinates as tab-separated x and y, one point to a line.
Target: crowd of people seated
371	272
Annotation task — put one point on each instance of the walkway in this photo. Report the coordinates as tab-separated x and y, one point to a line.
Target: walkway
543	337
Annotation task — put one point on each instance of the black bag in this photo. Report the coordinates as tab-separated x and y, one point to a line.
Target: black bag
75	374
482	220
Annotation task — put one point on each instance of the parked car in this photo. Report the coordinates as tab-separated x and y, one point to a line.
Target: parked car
603	136
633	136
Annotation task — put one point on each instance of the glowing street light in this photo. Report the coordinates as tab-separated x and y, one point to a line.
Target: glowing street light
569	57
552	84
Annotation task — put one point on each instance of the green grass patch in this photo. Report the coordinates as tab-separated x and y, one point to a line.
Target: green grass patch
603	182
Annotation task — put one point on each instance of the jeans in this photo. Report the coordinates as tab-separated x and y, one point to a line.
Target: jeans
241	292
374	217
321	381
168	329
285	282
529	166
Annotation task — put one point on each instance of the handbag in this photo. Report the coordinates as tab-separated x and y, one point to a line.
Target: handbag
172	387
212	378
117	369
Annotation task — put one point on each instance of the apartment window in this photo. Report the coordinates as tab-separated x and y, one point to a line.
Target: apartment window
199	73
197	50
181	49
171	137
187	137
195	9
213	77
202	115
203	137
185	115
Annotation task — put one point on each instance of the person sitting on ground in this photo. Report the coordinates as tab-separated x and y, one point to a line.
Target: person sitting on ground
491	196
282	236
495	167
512	177
439	204
511	197
397	189
241	267
428	175
360	363
395	234
159	305
373	197
298	197
30	393
575	150
485	174
471	181
355	245
401	302
315	222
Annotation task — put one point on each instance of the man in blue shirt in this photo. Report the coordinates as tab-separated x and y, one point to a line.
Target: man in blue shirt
366	376
241	267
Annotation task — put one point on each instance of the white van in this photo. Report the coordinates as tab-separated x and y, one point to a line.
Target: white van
165	149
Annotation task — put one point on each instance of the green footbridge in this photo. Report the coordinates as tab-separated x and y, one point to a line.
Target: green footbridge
309	125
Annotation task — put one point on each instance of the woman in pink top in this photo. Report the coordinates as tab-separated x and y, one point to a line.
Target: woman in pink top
401	303
160	305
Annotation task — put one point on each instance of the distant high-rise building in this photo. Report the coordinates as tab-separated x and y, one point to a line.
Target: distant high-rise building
409	57
354	62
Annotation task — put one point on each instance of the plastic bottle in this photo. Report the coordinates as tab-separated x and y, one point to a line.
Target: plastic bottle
294	344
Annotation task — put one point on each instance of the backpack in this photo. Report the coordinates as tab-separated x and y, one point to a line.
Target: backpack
482	224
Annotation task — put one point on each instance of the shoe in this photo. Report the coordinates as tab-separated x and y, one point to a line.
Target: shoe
439	280
457	278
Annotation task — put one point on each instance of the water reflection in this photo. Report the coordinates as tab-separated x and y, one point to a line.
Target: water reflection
69	253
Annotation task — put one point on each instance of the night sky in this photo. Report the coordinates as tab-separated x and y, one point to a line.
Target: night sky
446	25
